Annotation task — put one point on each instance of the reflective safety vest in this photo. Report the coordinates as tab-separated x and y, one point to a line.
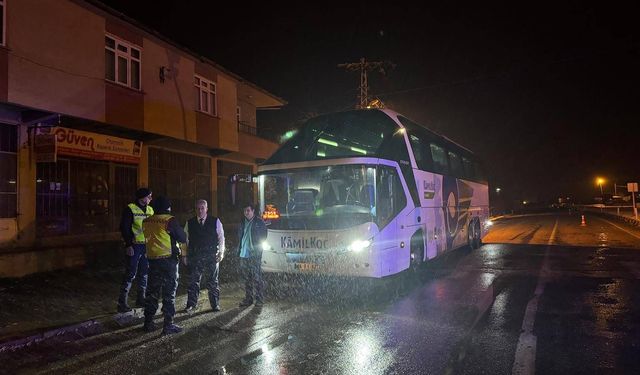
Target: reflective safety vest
138	217
158	238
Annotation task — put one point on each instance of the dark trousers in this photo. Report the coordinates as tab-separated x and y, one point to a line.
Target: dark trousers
137	265
208	266
163	278
252	274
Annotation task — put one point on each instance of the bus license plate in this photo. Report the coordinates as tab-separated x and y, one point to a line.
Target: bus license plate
306	266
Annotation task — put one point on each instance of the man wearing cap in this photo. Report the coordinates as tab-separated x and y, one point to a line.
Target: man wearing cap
163	234
134	244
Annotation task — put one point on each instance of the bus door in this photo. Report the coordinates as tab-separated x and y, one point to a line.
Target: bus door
391	201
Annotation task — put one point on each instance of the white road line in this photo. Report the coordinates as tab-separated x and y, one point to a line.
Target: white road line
525	360
621	228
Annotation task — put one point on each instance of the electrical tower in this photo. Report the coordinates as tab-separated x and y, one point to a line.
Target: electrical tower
365	66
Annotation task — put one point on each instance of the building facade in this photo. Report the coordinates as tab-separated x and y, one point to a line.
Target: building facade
94	105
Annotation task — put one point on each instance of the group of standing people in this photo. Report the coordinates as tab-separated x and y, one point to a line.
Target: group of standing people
155	242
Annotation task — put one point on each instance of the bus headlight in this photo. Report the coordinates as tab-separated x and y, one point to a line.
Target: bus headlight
265	246
488	223
358	245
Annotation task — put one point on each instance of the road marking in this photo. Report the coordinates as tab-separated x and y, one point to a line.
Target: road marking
621	228
525	360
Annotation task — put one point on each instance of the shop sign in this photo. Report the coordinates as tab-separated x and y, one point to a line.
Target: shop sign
95	146
45	148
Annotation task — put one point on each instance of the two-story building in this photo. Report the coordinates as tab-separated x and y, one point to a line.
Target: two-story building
94	105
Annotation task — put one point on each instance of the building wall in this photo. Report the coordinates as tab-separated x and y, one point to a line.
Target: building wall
169	106
227	113
247	113
44	72
54	61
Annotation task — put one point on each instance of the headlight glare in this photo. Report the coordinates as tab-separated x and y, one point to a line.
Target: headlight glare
358	245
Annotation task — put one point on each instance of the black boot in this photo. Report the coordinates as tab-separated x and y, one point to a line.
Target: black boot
215	304
171	328
149	326
123	306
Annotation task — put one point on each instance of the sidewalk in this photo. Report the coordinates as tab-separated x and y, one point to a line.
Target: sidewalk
82	301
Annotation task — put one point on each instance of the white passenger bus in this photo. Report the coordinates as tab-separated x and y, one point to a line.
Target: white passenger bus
368	193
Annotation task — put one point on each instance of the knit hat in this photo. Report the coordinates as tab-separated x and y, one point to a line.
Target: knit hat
161	204
142	193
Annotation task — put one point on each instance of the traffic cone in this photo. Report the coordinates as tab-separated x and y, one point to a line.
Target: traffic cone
583	223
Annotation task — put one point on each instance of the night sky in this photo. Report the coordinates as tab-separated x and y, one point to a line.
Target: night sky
547	96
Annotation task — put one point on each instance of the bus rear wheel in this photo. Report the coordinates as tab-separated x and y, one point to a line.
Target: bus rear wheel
474	238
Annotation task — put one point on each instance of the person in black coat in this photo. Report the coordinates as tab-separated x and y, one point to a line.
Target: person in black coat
205	250
252	232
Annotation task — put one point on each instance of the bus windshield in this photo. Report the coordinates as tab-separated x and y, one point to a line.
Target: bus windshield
320	198
345	134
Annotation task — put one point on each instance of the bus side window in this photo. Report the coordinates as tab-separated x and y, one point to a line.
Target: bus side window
439	159
456	165
469	169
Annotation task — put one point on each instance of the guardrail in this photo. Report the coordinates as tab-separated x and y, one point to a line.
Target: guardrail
621	213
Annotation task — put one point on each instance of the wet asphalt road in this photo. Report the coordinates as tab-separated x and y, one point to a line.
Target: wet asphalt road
543	295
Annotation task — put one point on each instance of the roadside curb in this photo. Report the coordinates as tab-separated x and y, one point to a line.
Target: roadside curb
102	323
81	329
89	327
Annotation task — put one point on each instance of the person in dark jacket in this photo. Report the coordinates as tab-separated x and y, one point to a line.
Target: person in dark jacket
252	232
205	245
135	250
163	234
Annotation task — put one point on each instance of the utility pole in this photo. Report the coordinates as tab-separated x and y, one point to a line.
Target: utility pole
364	67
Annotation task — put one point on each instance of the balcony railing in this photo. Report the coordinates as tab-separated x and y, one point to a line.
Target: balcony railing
245	127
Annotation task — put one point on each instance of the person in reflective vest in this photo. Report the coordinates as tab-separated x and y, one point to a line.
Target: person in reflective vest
205	245
163	234
135	250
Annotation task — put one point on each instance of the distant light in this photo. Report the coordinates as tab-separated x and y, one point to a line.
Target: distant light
327	142
321	154
265	246
498	190
12	181
364	152
401	131
288	135
600	181
525	202
39	180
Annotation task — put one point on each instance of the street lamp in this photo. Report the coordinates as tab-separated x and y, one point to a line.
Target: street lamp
600	181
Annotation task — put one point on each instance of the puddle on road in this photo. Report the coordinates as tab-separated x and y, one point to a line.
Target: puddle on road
603	239
238	365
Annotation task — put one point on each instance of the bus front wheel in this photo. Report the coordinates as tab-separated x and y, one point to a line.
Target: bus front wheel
417	251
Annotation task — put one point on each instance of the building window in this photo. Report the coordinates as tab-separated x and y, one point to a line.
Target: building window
205	92
122	62
8	170
78	196
2	22
184	178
